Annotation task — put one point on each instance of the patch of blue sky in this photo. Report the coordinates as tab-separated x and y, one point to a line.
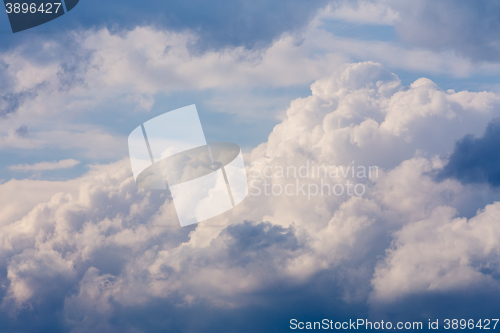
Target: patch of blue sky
248	126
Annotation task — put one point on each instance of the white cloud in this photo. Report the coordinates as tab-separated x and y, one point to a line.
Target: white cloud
361	12
62	164
105	242
121	73
18	197
363	114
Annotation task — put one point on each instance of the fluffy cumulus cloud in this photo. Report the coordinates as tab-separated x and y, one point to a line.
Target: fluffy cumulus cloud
96	249
442	252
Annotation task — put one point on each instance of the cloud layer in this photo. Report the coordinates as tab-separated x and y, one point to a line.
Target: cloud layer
62	164
101	248
94	253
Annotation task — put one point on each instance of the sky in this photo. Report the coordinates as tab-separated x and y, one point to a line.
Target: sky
408	88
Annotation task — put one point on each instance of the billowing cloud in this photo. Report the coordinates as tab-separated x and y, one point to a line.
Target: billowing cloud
100	247
440	253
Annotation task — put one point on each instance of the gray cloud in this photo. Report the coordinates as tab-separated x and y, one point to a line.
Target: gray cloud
22	131
476	160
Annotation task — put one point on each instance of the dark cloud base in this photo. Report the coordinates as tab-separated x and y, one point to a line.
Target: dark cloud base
476	160
270	311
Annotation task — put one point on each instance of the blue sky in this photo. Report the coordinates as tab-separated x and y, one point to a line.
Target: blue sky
409	86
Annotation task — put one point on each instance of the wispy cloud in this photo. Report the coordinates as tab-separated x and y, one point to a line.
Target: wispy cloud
62	164
362	12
